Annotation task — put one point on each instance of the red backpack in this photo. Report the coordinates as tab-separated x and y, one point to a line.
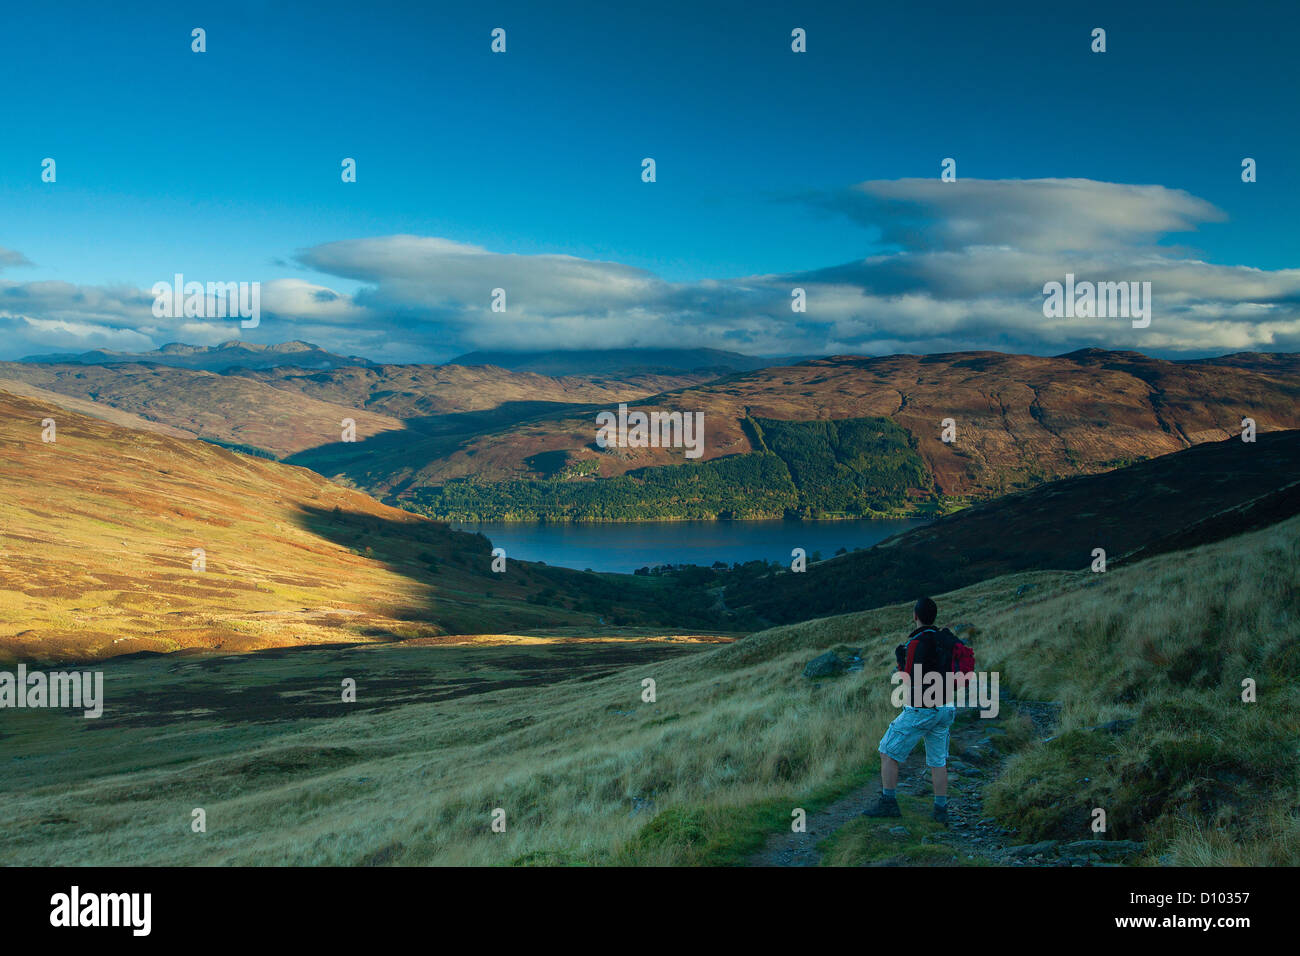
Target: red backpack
955	655
943	652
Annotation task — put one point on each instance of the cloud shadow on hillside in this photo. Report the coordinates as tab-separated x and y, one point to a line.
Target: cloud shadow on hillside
386	461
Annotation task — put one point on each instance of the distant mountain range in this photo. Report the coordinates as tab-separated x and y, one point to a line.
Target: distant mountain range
1017	421
607	361
212	358
236	354
828	437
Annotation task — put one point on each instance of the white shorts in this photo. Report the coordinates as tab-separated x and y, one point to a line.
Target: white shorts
914	724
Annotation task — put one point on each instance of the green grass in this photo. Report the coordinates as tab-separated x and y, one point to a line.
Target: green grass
728	835
1167	644
864	841
590	774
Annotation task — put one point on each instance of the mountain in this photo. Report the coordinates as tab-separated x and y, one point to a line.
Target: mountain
1281	363
419	392
286	410
98	531
840	436
1194	497
611	361
812	439
228	409
214	358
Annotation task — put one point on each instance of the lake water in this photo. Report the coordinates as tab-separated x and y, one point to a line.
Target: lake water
626	546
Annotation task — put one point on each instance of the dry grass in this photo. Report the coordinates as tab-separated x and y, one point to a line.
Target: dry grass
97	532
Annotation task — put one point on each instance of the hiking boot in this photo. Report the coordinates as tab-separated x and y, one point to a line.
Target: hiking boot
940	814
883	806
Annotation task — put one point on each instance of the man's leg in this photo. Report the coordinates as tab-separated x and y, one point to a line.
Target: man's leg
899	739
886	805
936	755
889	773
939	777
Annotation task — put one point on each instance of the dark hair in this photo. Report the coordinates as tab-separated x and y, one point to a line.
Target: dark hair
926	611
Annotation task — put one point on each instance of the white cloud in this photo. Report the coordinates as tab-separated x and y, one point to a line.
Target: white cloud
1045	214
971	261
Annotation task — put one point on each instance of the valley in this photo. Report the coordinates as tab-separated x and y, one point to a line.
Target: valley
119	541
229	599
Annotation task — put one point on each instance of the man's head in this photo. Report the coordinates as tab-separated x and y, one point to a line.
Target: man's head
925	611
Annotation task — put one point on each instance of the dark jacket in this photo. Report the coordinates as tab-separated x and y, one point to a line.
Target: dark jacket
919	650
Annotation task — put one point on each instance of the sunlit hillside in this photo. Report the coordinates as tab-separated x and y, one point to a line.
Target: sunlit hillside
116	541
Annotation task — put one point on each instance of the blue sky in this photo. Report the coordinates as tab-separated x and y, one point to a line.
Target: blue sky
225	166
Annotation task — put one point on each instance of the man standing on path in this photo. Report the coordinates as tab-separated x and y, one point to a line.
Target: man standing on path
916	657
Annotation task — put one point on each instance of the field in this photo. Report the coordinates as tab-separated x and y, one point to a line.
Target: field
1142	667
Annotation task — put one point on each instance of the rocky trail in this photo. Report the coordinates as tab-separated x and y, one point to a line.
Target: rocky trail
974	838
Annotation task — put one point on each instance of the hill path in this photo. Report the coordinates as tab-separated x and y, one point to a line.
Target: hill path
974	762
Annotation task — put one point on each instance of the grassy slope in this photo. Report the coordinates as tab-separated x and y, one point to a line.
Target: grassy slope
737	738
97	531
84	406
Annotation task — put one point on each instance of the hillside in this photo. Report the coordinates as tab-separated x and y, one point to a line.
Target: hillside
837	437
98	531
809	468
227	409
1206	493
428	393
1141	667
1020	420
1279	363
287	410
83	406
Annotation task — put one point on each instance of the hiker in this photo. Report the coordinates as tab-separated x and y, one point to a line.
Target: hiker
916	723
